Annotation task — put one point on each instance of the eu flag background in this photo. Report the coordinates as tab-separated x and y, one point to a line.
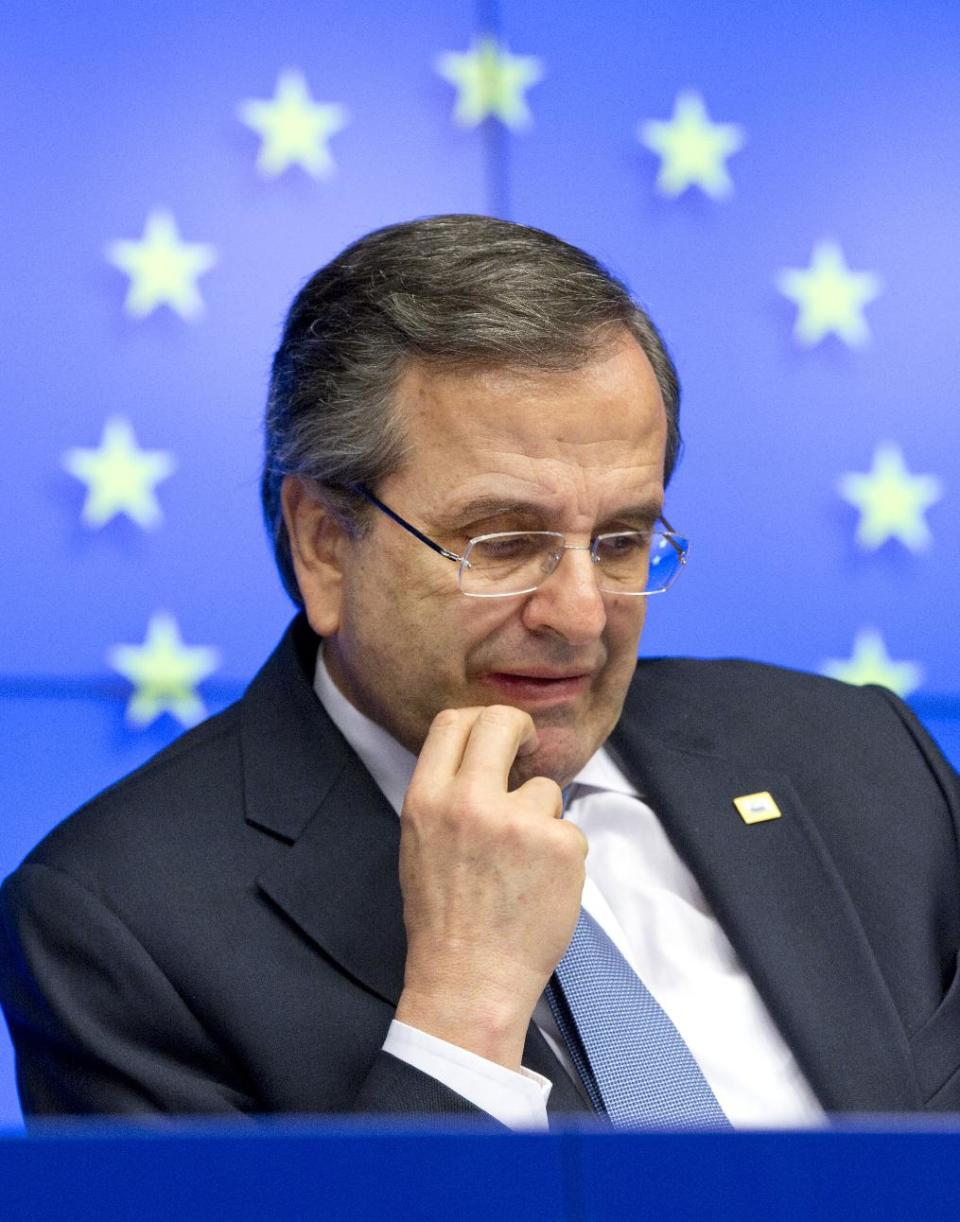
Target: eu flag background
777	183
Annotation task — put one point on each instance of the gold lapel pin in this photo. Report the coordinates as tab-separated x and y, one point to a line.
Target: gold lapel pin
757	807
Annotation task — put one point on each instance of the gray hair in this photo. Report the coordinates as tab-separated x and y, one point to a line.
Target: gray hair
455	291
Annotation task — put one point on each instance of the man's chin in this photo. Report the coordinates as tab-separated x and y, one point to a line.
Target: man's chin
562	752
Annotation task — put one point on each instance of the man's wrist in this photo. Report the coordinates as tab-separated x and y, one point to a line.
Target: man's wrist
494	1029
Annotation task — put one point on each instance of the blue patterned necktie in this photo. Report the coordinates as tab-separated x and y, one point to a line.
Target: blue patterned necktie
632	1061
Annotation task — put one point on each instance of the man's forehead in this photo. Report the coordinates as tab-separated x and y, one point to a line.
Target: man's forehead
466	399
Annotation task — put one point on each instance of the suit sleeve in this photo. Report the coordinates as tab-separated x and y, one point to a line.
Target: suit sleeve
96	1025
947	776
99	1029
935	1045
394	1087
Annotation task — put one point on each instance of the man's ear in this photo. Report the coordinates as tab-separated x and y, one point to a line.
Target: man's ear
317	542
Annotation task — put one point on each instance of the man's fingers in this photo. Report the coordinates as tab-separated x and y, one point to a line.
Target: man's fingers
477	741
544	794
442	750
496	737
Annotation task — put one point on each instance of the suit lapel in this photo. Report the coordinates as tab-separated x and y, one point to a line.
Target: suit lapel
339	883
303	784
783	905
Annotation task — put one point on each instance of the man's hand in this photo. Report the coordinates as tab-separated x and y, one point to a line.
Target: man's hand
491	883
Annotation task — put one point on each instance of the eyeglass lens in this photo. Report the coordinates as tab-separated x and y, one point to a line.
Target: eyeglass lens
517	562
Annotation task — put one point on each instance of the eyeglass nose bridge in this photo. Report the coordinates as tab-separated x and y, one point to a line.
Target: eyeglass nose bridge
556	555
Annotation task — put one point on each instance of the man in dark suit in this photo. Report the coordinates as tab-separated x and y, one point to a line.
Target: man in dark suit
469	433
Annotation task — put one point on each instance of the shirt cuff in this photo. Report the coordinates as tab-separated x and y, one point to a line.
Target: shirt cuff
517	1100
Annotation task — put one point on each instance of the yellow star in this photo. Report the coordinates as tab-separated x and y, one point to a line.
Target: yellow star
490	81
891	501
295	129
693	149
164	673
829	296
120	477
871	663
163	270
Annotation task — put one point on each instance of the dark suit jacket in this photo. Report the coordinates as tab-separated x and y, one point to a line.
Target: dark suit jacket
222	930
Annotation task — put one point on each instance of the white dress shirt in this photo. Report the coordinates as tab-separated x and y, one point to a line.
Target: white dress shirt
647	901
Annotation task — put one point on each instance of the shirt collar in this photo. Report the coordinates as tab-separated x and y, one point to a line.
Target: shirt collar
392	765
601	772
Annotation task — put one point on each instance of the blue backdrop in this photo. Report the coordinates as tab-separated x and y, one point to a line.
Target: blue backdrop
777	184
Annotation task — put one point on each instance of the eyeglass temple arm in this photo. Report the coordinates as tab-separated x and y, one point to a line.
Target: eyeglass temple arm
365	492
672	541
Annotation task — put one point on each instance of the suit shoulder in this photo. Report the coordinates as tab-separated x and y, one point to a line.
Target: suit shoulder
733	675
751	700
196	774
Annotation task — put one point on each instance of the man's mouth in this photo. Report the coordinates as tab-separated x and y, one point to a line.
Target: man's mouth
537	686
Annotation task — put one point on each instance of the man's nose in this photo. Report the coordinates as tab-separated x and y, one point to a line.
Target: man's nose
569	602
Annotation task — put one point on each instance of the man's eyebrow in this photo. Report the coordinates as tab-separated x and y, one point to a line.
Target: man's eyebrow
647	512
492	506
